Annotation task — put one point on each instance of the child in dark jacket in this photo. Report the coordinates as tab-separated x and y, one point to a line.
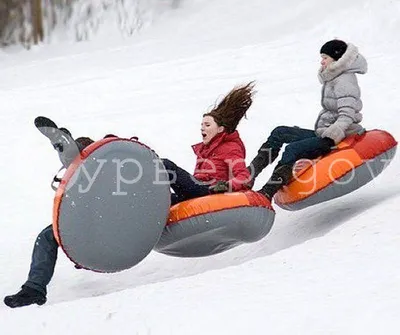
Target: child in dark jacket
45	250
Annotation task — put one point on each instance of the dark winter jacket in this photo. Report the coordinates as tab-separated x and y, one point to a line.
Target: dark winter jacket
222	159
341	100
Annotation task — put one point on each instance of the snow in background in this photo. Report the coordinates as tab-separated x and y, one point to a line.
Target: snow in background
329	269
88	20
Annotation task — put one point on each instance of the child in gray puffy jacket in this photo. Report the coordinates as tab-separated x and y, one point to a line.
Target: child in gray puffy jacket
340	117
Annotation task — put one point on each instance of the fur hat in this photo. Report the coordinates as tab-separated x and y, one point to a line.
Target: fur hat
334	49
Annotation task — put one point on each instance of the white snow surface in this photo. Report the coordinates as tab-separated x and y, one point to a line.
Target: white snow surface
333	268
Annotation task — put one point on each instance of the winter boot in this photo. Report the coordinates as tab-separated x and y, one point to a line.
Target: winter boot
27	296
281	176
57	136
61	140
265	156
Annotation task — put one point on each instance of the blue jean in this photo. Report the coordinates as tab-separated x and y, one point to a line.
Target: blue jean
184	184
43	262
302	143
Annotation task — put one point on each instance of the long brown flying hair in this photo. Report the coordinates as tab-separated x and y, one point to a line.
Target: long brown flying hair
233	107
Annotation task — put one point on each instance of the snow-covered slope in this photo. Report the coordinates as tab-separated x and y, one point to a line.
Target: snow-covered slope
328	269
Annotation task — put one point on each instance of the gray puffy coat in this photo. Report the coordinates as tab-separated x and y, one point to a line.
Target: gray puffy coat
341	101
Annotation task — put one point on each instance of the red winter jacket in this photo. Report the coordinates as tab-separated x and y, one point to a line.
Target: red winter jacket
222	159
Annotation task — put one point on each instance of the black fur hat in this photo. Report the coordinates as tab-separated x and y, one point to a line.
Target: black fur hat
334	49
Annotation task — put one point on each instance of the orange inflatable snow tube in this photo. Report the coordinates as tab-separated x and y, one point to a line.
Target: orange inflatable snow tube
357	160
215	223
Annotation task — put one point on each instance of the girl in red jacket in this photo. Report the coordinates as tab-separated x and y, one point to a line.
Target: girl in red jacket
220	165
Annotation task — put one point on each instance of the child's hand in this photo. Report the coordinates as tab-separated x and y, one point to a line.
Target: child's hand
335	133
220	187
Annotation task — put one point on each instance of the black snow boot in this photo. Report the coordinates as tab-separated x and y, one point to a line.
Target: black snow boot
280	177
27	296
265	156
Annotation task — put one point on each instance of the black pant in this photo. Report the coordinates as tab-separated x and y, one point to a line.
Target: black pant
43	262
302	143
184	185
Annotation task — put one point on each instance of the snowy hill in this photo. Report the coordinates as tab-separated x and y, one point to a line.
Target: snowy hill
328	269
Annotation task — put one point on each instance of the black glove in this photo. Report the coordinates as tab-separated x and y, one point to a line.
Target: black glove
220	187
329	141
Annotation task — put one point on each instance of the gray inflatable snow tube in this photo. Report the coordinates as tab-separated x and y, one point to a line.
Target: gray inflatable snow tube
112	205
216	223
